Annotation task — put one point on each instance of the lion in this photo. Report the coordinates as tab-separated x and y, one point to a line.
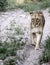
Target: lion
36	28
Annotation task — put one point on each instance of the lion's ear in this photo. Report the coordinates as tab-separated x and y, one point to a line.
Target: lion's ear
31	13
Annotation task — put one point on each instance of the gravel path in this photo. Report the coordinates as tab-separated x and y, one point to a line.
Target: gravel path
23	19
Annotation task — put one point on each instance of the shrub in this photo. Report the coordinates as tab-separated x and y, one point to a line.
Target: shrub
12	43
46	53
38	5
10	49
3	4
35	5
45	4
10	61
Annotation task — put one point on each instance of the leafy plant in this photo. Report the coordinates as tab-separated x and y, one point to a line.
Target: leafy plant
41	4
46	53
3	4
13	42
34	5
10	61
45	4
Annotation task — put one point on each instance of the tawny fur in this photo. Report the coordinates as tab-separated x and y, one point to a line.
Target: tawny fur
36	27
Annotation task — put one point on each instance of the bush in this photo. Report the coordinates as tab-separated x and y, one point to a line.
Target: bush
46	53
45	4
12	43
35	5
10	49
10	61
3	4
40	4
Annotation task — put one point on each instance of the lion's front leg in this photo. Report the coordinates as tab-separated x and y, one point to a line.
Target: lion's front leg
39	36
33	39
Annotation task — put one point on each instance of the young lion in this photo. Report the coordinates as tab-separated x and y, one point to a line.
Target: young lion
36	27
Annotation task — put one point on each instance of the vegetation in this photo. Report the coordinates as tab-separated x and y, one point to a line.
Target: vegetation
35	5
3	4
12	4
42	4
46	53
10	61
12	43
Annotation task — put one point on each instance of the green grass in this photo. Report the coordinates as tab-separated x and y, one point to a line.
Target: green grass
10	61
31	6
9	48
11	4
3	5
46	53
